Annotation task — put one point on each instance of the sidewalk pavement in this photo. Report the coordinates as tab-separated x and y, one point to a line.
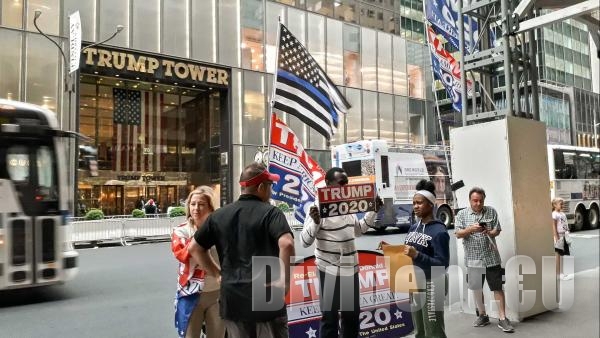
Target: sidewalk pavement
581	320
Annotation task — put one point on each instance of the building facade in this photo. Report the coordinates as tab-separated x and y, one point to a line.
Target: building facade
199	76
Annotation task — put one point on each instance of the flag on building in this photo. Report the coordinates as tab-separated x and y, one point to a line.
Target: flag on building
446	69
304	90
300	174
127	106
443	16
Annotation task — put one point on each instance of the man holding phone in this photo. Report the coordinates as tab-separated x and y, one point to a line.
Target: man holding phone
478	227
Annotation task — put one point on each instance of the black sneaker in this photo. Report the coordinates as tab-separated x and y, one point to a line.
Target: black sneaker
481	321
504	325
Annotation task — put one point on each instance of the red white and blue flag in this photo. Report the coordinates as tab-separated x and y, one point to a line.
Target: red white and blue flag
446	69
300	174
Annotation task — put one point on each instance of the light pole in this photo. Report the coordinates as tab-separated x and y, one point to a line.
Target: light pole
69	87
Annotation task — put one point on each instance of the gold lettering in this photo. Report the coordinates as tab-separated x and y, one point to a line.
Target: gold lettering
152	65
169	64
138	65
210	77
119	60
104	58
181	70
222	75
196	72
89	60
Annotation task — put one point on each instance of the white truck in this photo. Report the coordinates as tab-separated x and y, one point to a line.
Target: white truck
396	171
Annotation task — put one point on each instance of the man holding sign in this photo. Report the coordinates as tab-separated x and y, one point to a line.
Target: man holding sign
335	252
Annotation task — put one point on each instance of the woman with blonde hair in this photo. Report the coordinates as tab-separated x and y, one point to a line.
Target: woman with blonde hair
560	227
197	299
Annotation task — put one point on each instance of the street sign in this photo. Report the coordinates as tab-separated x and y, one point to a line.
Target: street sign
346	199
74	41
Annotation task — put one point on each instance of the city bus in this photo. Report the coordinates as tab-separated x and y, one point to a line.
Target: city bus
575	177
35	249
395	170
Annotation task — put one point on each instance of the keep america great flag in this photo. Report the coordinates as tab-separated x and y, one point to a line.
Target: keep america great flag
304	90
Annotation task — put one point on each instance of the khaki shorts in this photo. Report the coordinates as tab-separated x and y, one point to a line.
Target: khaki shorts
276	328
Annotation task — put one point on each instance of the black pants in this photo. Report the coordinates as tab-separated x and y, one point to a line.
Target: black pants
333	290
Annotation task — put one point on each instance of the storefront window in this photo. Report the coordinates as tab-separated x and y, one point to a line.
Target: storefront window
354	115
370	118
253	125
10	64
229	33
340	136
384	62
415	68
369	59
175	26
399	66
274	11
316	38
335	48
114	13
401	119
252	35
12	14
42	72
386	116
416	109
351	56
146	25
204	30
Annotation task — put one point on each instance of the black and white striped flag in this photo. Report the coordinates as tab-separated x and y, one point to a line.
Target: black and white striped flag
304	90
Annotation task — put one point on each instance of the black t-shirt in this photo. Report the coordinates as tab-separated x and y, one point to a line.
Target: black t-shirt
240	231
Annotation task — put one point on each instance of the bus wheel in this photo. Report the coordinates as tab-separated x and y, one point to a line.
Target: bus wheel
593	217
445	215
579	218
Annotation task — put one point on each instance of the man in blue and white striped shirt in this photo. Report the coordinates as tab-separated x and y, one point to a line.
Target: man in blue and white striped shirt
337	260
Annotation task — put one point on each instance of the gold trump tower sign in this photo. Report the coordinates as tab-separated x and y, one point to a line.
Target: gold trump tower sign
110	62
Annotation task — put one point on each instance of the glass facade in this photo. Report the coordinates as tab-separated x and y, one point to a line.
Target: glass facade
371	49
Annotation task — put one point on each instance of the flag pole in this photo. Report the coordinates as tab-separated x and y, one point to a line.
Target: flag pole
272	103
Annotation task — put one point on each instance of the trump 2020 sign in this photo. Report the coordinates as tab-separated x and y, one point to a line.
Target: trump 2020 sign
384	314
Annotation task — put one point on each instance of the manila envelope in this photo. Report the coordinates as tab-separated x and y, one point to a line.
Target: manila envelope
400	269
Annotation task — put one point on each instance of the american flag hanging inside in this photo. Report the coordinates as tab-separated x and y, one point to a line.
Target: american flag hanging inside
304	90
127	106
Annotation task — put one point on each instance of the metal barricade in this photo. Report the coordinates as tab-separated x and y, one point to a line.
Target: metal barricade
149	228
96	231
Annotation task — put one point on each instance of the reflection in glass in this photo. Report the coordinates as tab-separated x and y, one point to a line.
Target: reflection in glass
175	26
334	51
229	34
12	14
203	30
42	72
369	58
354	115
87	14
384	62
112	14
146	25
399	66
274	11
351	56
10	64
252	35
386	117
401	119
253	125
316	38
370	119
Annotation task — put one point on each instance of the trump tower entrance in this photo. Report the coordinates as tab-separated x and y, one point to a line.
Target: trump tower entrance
160	126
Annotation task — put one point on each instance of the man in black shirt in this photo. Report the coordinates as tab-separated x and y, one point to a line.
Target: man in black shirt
242	231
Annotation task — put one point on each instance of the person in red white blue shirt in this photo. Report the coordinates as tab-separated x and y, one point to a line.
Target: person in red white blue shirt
197	298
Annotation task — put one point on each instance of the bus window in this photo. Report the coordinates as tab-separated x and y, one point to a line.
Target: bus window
385	172
17	160
47	189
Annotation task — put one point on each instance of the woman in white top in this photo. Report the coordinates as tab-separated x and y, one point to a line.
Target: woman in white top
559	228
